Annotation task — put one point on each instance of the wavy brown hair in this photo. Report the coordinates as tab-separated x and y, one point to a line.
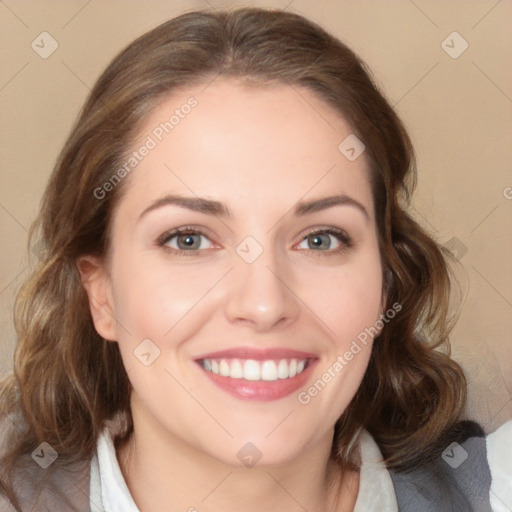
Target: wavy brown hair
68	381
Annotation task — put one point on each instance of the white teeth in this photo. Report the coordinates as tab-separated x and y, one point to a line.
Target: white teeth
237	372
282	369
224	368
249	369
292	368
252	370
269	370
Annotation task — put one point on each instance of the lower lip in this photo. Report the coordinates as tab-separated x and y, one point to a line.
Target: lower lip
261	390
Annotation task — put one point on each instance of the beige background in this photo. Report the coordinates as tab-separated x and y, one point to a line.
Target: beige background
458	111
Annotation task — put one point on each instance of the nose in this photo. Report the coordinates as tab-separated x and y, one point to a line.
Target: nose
261	295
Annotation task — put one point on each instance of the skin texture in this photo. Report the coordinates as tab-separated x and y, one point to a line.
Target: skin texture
259	151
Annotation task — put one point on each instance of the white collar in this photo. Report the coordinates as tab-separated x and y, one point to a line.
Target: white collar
376	490
109	492
108	489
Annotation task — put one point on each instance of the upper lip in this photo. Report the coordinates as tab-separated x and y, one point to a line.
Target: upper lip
258	354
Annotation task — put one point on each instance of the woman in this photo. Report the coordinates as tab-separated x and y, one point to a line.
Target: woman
234	310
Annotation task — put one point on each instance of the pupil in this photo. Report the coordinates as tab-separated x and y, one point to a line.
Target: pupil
318	240
187	241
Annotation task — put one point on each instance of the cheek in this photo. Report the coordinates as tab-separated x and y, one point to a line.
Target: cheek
349	302
151	299
166	305
348	299
151	304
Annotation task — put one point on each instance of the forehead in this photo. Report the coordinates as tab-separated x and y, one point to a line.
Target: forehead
247	145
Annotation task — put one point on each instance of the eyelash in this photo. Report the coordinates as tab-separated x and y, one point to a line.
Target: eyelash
341	236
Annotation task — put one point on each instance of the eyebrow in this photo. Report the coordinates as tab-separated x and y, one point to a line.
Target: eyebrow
216	208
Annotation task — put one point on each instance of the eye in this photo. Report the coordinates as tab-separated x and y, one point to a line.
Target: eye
185	240
188	241
330	240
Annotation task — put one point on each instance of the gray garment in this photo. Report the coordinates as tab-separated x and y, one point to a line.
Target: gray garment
434	487
450	483
59	488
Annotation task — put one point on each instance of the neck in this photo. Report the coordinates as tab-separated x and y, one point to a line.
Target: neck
164	473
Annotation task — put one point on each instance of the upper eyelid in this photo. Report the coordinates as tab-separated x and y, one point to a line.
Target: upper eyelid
172	233
200	230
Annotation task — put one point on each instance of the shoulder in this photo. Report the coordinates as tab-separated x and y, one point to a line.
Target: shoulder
60	488
41	480
457	479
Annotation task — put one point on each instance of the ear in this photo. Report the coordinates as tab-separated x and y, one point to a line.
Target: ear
97	283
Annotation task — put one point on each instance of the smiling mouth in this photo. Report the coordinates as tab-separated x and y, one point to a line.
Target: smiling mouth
253	370
258	374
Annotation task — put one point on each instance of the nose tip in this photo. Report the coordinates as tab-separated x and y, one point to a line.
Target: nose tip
260	298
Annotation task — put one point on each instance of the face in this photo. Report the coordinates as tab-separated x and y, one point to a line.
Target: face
244	264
